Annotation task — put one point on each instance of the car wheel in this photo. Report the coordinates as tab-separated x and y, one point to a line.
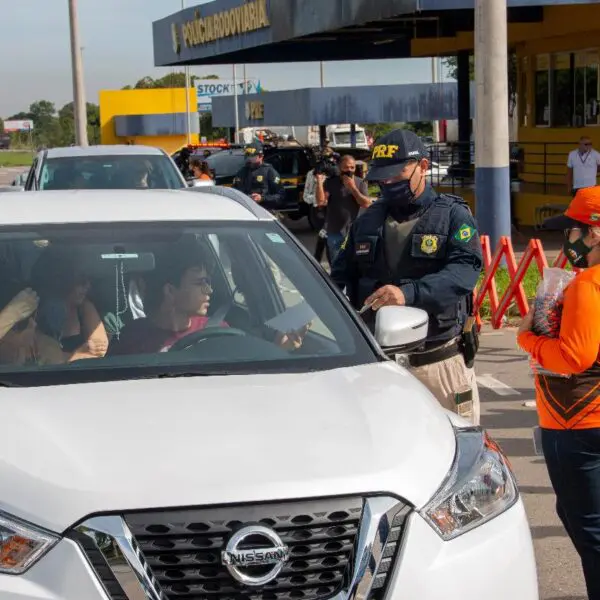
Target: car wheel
316	218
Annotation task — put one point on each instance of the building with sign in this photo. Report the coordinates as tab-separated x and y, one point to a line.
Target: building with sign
152	117
207	89
556	79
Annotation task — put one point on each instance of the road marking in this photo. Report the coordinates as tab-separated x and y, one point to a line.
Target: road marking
530	404
496	386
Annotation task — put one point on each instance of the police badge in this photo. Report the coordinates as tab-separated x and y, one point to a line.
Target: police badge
429	244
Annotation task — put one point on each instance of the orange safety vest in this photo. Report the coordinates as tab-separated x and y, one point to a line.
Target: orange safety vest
572	402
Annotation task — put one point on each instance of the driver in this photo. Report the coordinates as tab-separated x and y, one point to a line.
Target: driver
176	304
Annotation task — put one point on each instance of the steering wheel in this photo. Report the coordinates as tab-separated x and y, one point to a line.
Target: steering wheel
194	338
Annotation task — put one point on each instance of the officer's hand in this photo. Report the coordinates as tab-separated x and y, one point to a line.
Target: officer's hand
388	295
320	178
256	197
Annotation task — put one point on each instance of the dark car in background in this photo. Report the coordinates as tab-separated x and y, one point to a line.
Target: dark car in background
291	162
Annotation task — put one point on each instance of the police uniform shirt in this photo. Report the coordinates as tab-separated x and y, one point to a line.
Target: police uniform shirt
436	266
263	180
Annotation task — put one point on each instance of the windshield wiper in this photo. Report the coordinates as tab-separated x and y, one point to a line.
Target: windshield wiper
167	375
9	384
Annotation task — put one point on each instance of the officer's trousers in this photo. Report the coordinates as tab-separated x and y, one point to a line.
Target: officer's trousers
445	379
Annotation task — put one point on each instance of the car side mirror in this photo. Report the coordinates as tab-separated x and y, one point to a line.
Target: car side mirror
400	329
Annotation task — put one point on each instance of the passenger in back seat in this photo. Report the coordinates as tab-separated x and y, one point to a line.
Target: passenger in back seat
66	313
21	342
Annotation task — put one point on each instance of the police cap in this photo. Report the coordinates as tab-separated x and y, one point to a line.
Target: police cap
254	149
392	151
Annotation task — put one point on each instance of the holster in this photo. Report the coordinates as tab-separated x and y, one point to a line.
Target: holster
469	341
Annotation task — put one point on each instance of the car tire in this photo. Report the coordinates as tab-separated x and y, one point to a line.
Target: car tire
316	218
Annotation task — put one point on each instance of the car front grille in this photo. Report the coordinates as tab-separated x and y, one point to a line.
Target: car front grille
178	553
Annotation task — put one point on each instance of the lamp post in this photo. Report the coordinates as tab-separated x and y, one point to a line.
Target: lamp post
79	106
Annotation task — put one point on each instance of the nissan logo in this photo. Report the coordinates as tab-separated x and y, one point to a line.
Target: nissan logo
254	546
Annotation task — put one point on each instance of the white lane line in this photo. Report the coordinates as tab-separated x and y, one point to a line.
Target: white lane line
496	386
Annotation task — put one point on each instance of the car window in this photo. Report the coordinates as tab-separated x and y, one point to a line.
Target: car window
285	163
226	164
110	172
120	301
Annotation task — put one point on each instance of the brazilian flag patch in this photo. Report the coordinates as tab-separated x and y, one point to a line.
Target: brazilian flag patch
464	234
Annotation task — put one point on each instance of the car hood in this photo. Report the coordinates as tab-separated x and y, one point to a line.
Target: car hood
74	450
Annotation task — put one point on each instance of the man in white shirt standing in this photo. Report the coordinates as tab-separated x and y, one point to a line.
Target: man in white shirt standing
583	166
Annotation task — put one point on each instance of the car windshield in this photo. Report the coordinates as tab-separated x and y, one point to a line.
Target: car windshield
102	302
226	164
110	172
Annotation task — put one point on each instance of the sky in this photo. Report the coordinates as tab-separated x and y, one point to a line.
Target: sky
116	36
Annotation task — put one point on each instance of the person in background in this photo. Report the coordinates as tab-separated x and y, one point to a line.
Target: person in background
569	407
200	170
583	165
415	247
259	180
343	195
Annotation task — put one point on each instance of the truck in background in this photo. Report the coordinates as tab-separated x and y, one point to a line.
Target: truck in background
339	136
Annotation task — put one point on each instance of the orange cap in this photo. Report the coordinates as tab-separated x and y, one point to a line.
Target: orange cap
585	207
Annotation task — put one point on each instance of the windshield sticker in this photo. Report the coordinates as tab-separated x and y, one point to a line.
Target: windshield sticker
275	238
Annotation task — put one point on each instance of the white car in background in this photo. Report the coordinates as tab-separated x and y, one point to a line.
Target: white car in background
234	464
103	167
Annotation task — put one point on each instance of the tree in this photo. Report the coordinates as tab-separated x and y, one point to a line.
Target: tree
171	80
376	130
451	64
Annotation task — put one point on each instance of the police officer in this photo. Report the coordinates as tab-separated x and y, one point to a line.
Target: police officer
414	247
258	180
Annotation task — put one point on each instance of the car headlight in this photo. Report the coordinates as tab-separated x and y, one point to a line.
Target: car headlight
21	544
479	487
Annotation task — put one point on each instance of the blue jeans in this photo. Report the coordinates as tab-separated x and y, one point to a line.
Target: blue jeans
334	243
573	462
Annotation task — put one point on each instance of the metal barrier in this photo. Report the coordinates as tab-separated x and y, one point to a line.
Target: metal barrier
534	253
539	166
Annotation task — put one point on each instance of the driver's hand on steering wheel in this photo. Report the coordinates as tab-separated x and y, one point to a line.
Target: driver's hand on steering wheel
292	340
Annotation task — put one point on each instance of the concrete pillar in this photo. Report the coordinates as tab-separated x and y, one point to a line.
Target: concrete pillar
464	112
492	167
322	135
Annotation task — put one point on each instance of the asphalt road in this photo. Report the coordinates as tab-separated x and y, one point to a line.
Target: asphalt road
505	386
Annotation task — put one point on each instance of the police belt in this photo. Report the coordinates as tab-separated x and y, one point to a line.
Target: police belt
429	357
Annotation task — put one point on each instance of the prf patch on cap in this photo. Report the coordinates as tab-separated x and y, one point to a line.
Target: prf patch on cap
385	151
250	150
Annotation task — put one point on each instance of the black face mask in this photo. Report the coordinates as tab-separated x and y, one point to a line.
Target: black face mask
253	162
348	173
577	253
399	194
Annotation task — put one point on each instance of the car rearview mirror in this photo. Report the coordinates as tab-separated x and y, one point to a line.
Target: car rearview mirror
400	329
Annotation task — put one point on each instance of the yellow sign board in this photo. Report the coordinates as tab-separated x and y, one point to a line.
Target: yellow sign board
250	16
255	110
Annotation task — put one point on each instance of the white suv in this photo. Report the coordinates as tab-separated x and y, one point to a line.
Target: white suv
103	168
243	437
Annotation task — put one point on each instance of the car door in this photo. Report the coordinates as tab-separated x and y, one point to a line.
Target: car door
287	166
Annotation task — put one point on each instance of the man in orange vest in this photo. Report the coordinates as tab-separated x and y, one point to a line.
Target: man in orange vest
569	406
